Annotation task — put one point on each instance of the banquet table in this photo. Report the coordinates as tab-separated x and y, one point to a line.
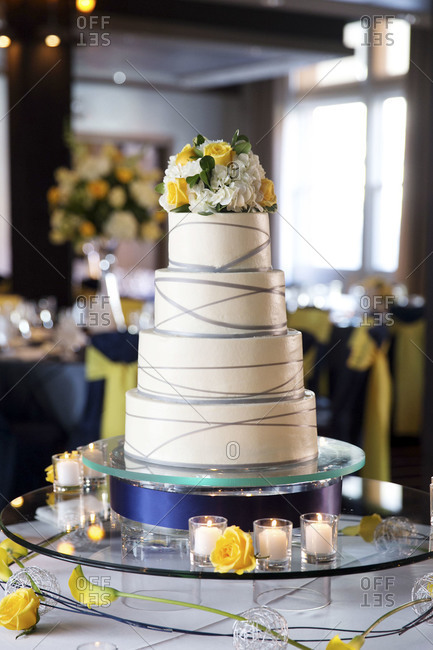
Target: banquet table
357	598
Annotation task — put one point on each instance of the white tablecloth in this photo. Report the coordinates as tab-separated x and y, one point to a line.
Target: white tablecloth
357	601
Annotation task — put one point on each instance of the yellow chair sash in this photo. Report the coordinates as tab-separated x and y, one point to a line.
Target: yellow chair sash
409	363
119	377
366	355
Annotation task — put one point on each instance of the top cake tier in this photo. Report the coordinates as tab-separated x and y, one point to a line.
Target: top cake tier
219	242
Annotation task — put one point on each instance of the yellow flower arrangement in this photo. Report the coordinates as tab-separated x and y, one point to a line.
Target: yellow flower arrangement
104	194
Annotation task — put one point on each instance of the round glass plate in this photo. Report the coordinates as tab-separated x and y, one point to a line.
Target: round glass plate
335	459
98	538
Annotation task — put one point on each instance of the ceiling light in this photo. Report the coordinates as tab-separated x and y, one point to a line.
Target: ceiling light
5	41
52	40
86	6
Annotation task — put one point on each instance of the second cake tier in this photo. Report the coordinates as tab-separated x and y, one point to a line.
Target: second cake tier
243	303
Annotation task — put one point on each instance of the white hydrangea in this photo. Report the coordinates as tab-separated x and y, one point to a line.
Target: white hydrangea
121	225
144	194
117	197
91	168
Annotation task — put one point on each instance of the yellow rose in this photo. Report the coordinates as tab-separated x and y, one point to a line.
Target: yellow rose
124	174
233	551
337	644
177	193
98	189
267	189
185	155
87	229
220	151
19	610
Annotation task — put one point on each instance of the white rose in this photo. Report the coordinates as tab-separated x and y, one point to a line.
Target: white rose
121	225
117	197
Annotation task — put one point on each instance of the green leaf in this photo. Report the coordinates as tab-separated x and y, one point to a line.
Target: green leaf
205	178
242	147
243	137
235	137
272	208
198	140
207	163
181	208
160	188
193	180
198	152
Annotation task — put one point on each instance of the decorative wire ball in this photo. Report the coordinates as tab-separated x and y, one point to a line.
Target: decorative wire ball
423	588
396	535
44	580
246	636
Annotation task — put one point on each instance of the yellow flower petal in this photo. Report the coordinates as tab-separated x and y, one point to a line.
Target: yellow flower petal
13	549
337	644
368	525
88	593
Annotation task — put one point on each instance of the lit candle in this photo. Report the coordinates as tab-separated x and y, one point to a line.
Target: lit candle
318	537
205	538
68	472
95	456
273	542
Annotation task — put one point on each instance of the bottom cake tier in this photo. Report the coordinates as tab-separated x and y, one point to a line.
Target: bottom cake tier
223	434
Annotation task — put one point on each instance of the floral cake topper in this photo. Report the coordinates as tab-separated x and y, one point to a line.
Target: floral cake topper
211	176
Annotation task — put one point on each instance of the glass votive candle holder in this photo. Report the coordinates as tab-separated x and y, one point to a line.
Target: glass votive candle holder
92	478
273	543
319	537
204	530
67	472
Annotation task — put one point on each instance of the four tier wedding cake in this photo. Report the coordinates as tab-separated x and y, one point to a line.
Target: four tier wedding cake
220	378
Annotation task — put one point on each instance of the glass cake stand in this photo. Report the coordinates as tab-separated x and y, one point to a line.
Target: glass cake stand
164	497
37	521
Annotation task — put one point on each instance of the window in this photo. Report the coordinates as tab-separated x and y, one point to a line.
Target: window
343	160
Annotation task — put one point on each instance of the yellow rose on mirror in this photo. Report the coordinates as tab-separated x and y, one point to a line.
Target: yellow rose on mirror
185	155
220	151
19	610
177	193
234	551
267	189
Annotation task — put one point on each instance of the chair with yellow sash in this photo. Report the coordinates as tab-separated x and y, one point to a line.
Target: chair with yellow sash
111	370
360	390
316	329
408	359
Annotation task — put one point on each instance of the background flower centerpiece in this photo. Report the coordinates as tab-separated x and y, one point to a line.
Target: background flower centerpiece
210	176
104	195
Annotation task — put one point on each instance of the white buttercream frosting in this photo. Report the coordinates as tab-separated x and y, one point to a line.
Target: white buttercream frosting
244	303
219	242
220	434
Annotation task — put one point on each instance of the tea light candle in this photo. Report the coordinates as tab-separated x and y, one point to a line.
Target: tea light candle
68	472
204	532
318	537
95	456
205	538
272	542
